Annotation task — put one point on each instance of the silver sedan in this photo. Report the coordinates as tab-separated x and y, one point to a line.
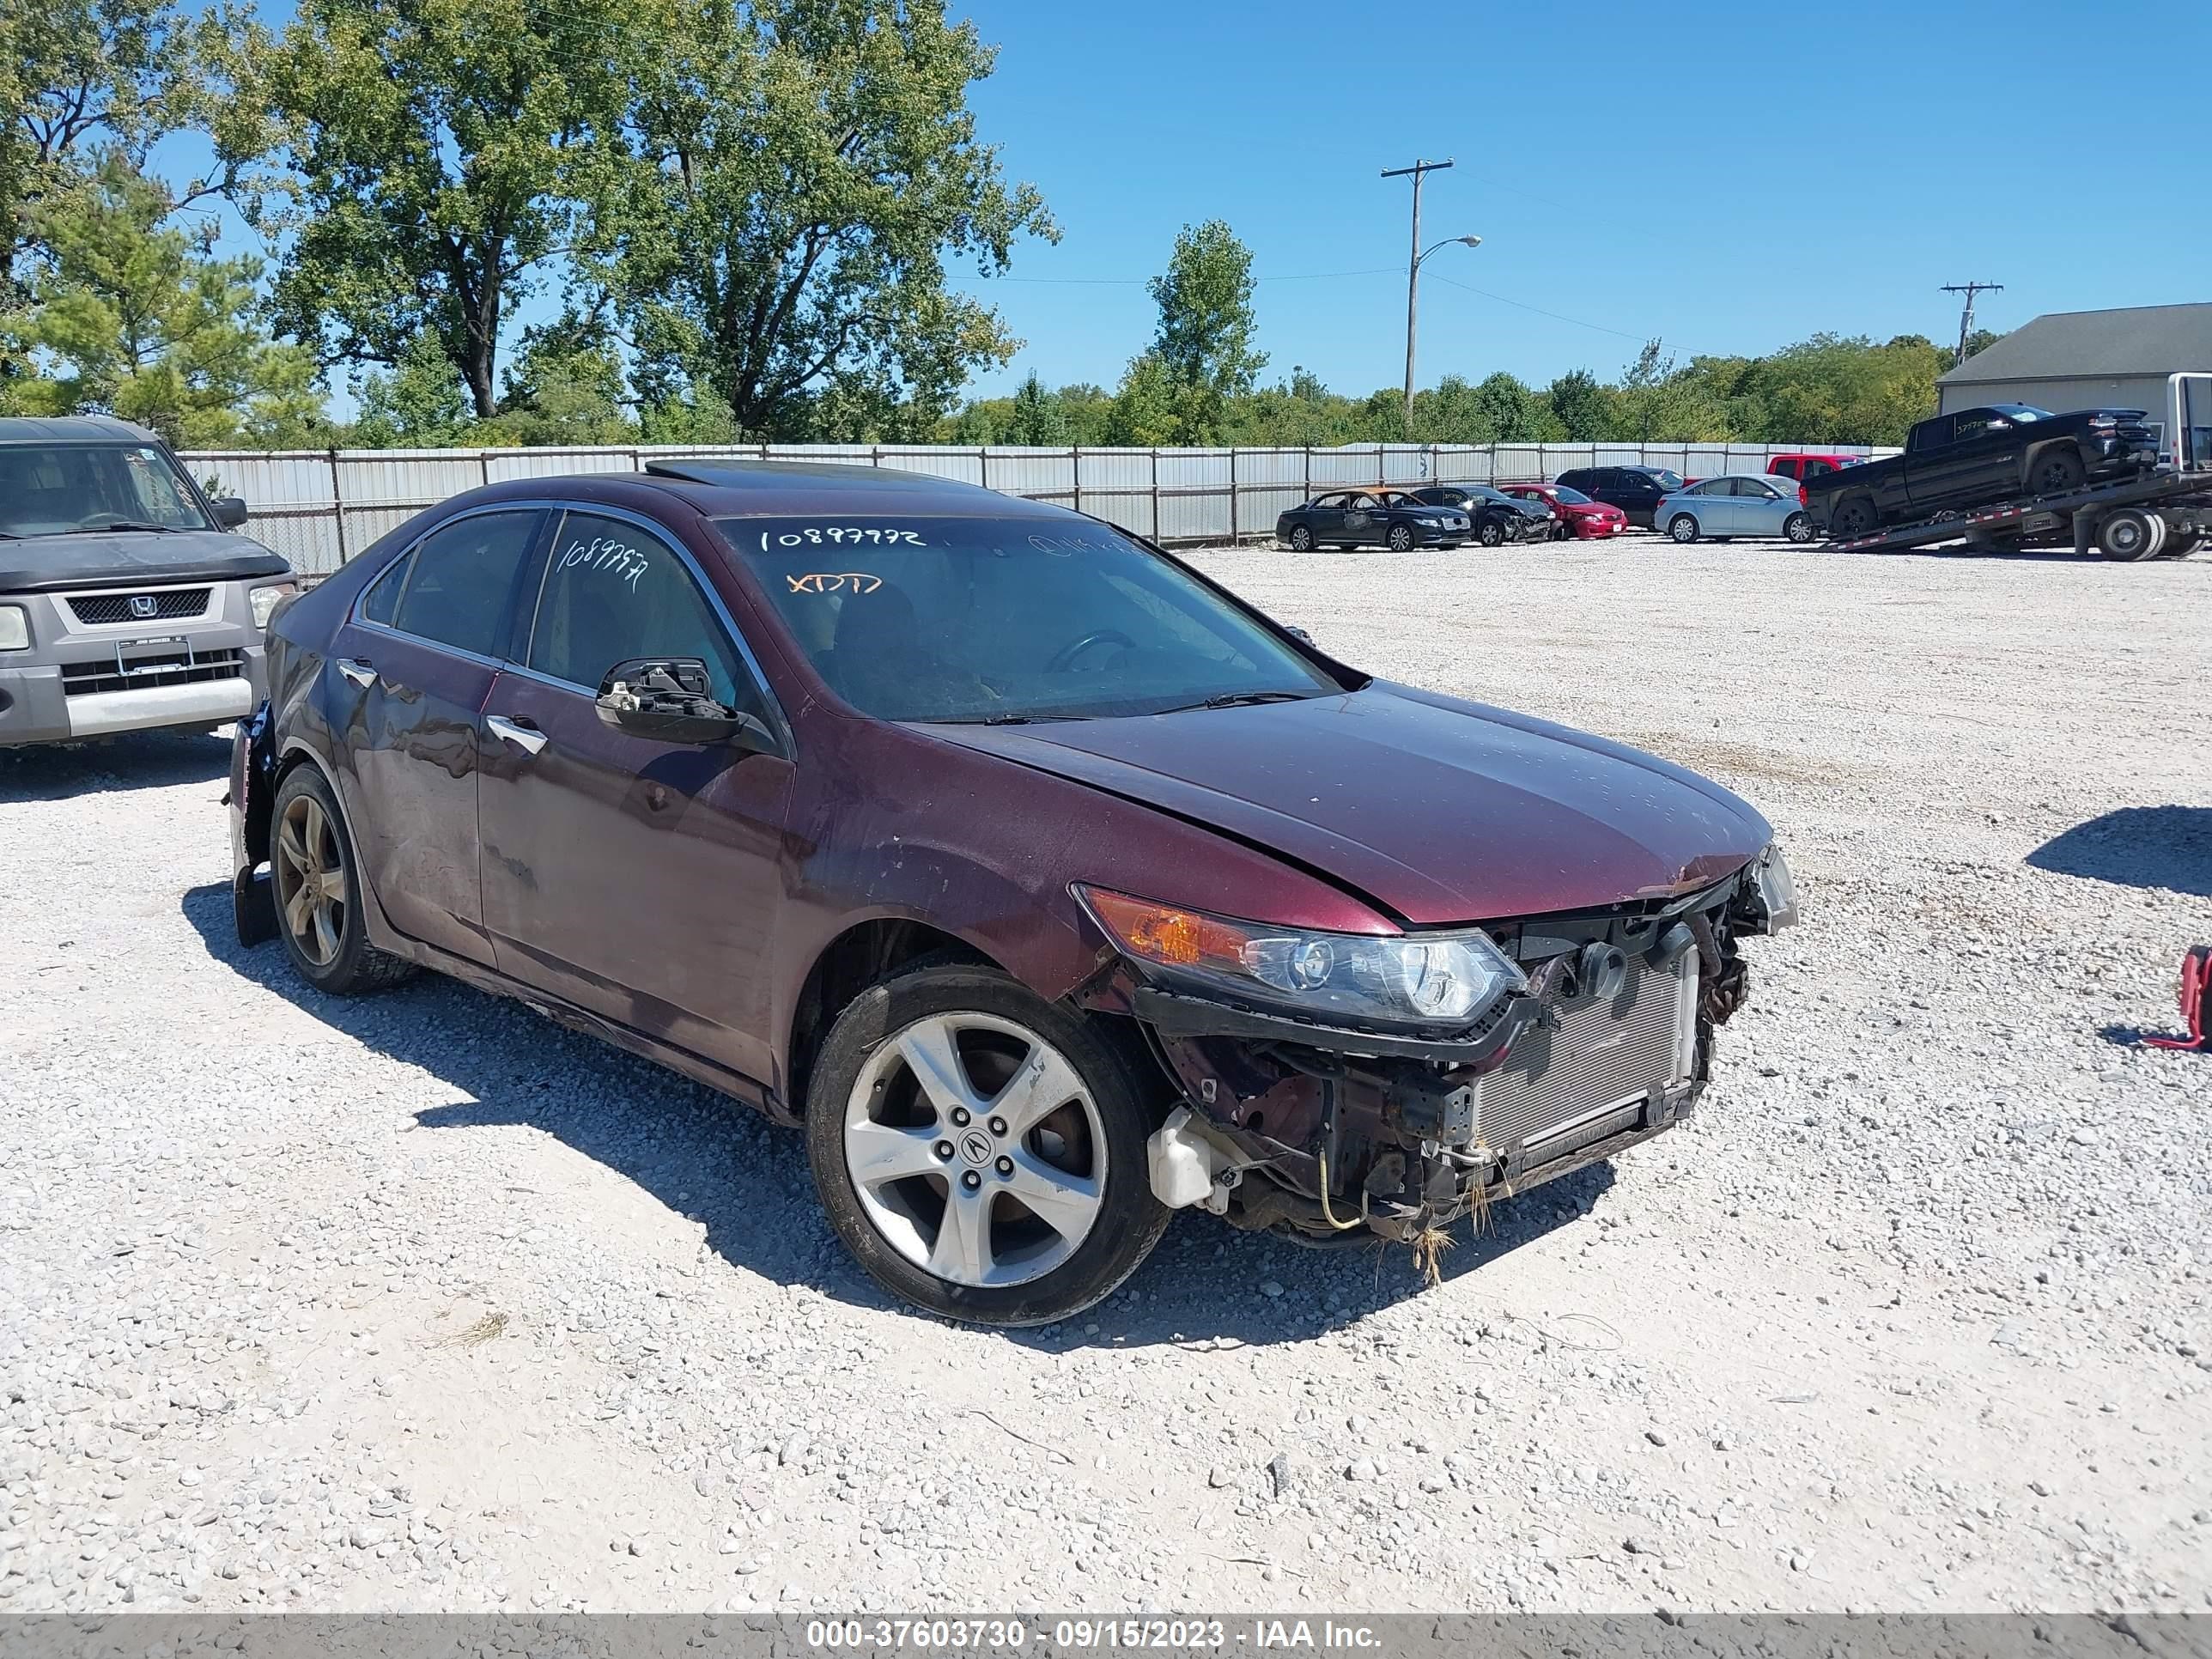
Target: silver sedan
1734	504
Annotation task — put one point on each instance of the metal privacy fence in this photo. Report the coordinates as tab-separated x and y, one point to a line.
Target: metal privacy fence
320	507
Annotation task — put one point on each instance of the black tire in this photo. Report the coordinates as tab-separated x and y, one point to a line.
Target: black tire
1490	533
1563	532
2131	534
1128	1219
1798	528
1681	530
2055	471
352	966
1401	538
1854	516
1302	539
2180	547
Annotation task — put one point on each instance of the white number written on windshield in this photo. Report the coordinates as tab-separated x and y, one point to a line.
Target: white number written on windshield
844	535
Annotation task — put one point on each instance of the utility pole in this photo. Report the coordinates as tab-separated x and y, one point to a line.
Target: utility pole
1416	173
1966	315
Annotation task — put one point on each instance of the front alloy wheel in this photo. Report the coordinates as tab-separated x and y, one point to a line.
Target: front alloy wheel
976	1150
981	1151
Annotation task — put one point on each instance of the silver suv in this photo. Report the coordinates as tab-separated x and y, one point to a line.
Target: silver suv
126	602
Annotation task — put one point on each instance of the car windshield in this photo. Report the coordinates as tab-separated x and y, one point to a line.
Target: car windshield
1009	620
1485	492
1566	497
62	489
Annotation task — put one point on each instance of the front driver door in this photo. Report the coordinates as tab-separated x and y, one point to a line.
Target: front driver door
409	672
634	878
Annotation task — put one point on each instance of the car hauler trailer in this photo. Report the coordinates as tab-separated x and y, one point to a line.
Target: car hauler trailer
2165	513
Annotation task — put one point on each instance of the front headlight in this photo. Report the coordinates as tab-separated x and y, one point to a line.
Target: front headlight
264	600
15	628
1436	978
1777	890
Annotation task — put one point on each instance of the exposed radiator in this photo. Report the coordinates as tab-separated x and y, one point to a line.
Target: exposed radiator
1593	1070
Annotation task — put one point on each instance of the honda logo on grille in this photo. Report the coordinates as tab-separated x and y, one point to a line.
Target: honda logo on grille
144	605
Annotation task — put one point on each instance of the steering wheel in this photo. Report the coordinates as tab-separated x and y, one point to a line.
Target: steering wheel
1064	659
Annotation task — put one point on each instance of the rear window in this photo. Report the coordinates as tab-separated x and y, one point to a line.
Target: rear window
462	579
1008	620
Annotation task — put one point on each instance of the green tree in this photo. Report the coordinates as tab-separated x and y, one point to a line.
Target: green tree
1037	417
130	314
1581	406
785	186
1656	403
435	144
1513	412
1145	413
565	387
1832	390
1204	344
1450	412
418	403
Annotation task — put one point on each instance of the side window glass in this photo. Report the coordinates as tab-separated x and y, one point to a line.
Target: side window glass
462	577
381	602
614	592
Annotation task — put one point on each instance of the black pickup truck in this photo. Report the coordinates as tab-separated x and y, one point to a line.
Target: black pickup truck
1976	457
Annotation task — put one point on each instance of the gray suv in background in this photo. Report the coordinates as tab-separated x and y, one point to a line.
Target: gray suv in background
126	602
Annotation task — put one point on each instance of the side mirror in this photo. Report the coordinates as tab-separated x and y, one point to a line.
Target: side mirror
230	511
671	699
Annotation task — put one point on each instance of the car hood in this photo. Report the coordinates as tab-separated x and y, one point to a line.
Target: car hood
1435	810
128	558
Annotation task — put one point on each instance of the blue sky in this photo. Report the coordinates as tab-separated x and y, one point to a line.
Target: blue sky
1728	178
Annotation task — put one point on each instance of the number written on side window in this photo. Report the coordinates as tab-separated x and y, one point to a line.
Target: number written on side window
615	592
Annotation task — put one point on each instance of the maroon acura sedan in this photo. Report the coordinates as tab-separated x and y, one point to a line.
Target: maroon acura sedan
1048	886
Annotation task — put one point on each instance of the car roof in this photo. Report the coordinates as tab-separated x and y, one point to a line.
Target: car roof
742	489
71	428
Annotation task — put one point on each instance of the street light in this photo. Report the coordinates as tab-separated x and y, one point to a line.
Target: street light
1413	299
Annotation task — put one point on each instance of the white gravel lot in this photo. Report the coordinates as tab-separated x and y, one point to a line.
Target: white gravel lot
419	1301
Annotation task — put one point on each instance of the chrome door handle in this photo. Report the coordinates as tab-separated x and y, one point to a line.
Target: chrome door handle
528	738
357	670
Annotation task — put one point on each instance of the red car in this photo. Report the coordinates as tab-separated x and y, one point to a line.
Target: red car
1043	884
1577	514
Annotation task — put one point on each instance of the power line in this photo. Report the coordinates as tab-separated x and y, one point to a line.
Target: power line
1140	282
1555	316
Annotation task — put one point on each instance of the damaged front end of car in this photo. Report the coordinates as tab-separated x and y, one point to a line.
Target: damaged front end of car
1340	1087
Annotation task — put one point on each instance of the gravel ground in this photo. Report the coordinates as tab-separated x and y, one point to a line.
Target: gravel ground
419	1301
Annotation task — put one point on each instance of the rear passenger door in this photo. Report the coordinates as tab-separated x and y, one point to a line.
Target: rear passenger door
635	878
1364	519
405	688
1326	518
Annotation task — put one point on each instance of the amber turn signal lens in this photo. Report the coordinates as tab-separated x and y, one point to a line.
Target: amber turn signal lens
1162	933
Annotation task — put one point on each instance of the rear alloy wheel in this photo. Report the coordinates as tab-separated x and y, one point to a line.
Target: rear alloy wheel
1401	538
2055	472
1682	529
981	1151
1798	528
2131	534
1301	539
1854	516
318	884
